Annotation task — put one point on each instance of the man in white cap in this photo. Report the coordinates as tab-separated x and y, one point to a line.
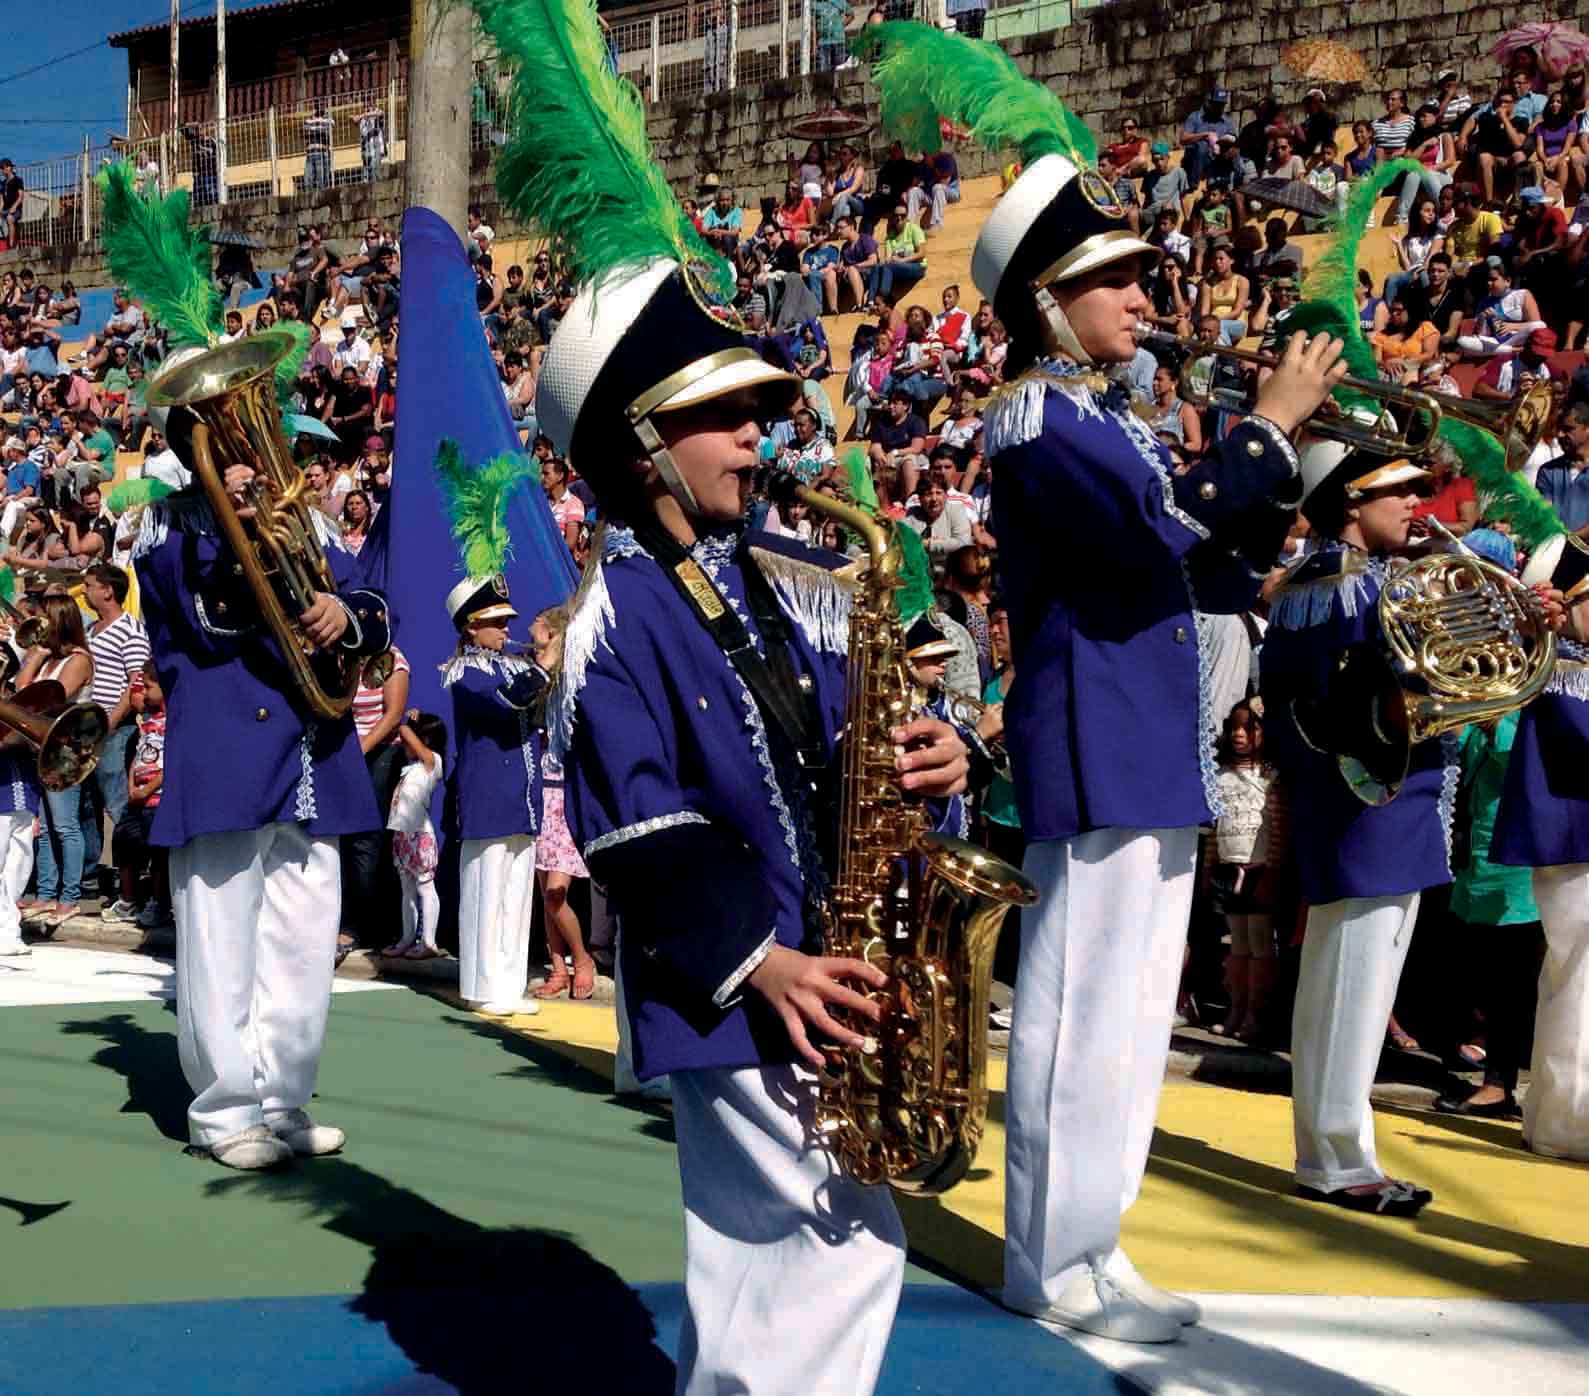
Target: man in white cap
1110	728
1370	815
352	350
496	789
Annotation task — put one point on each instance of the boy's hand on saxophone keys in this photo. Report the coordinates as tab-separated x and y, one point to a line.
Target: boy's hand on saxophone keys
800	989
930	758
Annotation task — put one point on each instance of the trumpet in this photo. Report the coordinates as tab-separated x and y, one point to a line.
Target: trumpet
28	631
1518	425
67	737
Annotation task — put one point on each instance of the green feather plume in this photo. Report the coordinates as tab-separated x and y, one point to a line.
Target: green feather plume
858	474
8	584
924	73
580	167
914	595
161	260
287	369
1331	307
135	493
477	504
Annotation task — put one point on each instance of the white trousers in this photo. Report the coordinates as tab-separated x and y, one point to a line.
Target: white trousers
496	891
257	914
16	863
1094	1001
792	1272
1556	1108
1352	956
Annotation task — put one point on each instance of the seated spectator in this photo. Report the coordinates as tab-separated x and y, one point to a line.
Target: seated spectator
962	424
1554	139
1283	161
901	260
985	368
1564	481
1230	170
1166	234
1278	256
1507	376
1414	248
722	221
1225	295
1408	342
1362	157
1130	152
797	212
1200	137
1392	130
1505	317
1451	101
918	363
809	455
894	179
748	301
1326	176
1373	314
551	314
1494	141
951	329
927	202
944	527
1318	123
1171	296
1471	235
1124	187
1211	224
1277	298
518	386
858	255
349	411
898	437
1451	498
1162	186
1540	239
1171	416
849	185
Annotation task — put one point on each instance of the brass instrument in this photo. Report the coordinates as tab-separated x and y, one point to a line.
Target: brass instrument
1463	641
377	669
924	908
231	389
28	631
1519	424
66	736
967	709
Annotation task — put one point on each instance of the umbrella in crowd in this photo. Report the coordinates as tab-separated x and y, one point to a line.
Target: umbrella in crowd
1324	60
1559	46
1289	193
829	125
299	425
232	237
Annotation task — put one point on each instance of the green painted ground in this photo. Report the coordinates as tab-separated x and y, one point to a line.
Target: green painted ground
455	1132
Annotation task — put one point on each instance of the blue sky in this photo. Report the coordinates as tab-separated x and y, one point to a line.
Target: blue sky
47	113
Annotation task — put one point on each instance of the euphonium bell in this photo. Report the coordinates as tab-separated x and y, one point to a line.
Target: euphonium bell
232	391
66	736
28	631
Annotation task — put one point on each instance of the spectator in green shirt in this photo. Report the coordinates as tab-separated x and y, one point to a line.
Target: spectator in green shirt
902	259
95	452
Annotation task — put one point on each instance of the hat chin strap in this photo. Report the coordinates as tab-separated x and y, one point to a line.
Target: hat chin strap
1057	332
659	455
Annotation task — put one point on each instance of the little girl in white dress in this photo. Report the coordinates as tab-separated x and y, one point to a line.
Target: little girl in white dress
424	738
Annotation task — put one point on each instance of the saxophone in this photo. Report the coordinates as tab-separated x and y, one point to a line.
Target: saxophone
907	1109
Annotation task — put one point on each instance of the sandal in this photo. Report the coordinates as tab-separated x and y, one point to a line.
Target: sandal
1390	1199
421	952
61	915
553	986
395	951
1401	1040
346	945
584	981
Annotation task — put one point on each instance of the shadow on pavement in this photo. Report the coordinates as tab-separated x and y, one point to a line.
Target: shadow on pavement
148	1063
490	1310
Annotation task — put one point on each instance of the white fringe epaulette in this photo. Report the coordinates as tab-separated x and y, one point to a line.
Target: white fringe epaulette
479	657
1014	414
187	512
1570	677
589	614
817	598
1298	605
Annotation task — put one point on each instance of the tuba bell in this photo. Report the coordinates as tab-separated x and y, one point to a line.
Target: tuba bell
67	737
231	389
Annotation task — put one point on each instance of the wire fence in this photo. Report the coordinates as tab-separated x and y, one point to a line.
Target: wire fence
344	125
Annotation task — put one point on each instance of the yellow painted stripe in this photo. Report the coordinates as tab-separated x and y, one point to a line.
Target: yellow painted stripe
1217	1211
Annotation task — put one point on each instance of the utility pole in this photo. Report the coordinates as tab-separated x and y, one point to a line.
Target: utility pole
220	100
176	29
440	42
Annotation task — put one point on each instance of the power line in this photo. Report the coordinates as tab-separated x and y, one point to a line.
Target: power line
57	120
90	48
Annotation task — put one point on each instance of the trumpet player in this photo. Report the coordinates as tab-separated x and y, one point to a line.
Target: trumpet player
256	794
1362	865
1109	721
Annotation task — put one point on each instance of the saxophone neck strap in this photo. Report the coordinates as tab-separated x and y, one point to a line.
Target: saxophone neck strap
787	700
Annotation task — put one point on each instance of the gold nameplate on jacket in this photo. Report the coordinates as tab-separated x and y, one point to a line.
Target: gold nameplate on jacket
701	591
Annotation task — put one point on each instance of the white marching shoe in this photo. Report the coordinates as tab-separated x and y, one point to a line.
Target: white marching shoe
251	1150
507	1008
1094	1303
303	1136
1120	1269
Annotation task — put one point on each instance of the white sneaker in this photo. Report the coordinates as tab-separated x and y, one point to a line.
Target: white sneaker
1094	1303
15	950
251	1149
508	1008
1120	1269
303	1136
120	910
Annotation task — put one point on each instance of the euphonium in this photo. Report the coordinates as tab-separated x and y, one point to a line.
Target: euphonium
231	389
922	907
67	737
28	631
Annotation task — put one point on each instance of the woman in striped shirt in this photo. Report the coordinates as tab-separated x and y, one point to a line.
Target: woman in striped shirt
1392	130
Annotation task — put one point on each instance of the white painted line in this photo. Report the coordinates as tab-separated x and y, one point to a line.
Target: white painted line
1300	1345
72	974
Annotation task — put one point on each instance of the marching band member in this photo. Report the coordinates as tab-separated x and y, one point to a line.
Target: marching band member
1543	823
1109	722
496	793
1362	865
257	792
702	686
